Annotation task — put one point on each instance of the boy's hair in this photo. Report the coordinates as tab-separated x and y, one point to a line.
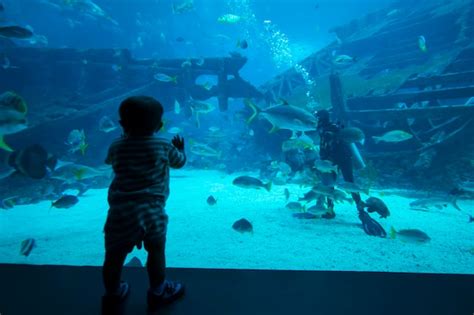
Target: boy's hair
140	115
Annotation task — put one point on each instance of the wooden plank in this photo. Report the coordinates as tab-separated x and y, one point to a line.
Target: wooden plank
387	101
460	78
418	113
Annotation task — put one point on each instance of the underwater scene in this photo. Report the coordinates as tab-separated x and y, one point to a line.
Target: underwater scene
319	134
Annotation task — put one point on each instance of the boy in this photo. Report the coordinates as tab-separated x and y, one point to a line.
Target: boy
137	197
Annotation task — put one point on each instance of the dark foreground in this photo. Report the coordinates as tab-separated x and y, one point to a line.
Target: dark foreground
54	290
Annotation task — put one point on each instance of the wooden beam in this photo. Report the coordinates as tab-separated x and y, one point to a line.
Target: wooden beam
418	113
374	102
462	77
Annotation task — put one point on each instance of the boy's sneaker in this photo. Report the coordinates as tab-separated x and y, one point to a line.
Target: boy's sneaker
171	292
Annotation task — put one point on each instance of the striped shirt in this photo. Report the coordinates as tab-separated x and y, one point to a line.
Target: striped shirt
139	190
141	166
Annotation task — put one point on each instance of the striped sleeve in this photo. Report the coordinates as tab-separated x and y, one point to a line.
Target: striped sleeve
109	158
176	158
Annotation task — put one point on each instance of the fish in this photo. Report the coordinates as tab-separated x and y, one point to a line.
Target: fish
305	215
16	32
471	219
375	204
393	136
326	191
284	117
325	166
27	246
301	143
229	19
213	129
65	202
198	108
8	203
13	110
174	130
75	172
351	135
177	107
243	226
76	140
467	186
134	262
180	39
243	44
317	209
251	182
183	7
211	200
422	43
200	62
166	78
295	206
106	124
187	63
435	202
353	188
202	149
344	60
410	235
33	161
287	194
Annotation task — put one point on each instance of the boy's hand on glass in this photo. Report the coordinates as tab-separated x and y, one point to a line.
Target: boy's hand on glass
178	142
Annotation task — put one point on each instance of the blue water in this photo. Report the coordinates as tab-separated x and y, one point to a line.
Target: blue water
280	35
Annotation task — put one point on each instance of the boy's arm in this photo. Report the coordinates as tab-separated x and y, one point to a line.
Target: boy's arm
176	157
109	159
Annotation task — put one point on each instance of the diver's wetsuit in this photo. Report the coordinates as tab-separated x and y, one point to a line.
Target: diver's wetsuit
337	151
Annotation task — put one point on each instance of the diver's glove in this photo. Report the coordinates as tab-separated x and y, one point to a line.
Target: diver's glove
370	226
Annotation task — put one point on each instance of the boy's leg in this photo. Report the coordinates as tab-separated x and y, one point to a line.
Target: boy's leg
156	263
112	270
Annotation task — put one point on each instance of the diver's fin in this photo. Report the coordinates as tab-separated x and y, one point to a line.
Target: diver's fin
455	204
370	226
4	146
268	186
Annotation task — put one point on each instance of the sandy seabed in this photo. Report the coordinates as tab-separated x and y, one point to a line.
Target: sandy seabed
201	236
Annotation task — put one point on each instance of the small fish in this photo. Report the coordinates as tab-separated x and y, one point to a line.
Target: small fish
183	7
134	262
8	203
251	132
200	62
471	219
305	215
434	202
214	129
287	194
229	19
251	182
174	130
394	136
27	246
211	200
422	43
177	107
295	206
353	188
344	60
243	226
180	39
106	124
325	166
202	149
243	44
17	32
65	202
117	68
77	141
166	78
375	204
410	235
186	64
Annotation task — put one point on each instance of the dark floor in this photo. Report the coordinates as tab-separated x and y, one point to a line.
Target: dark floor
55	290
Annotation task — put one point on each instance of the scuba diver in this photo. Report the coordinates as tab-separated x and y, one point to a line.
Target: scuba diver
341	154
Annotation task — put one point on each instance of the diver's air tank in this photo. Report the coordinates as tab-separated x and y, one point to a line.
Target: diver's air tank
358	160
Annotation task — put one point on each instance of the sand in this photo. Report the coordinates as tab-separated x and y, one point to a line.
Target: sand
201	236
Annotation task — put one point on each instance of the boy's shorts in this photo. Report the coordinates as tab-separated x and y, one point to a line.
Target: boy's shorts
133	222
